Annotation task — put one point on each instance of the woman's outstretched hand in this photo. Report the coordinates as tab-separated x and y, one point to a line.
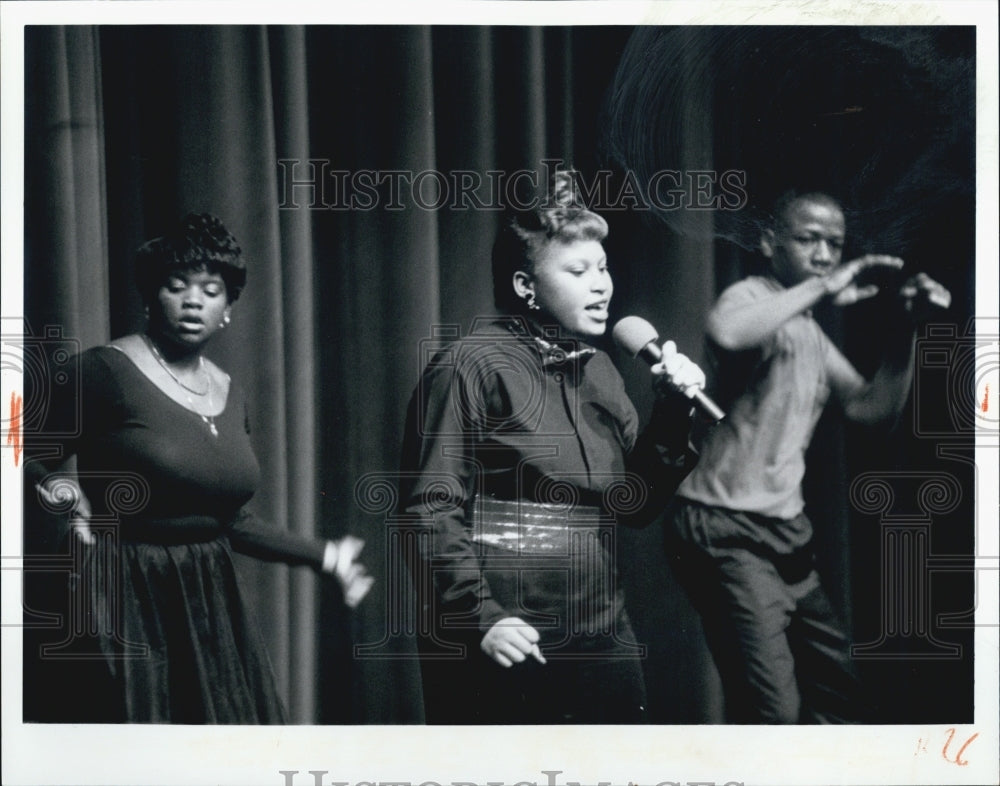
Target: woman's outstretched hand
62	494
341	559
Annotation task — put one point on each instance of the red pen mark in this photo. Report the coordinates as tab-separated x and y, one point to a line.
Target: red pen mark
958	756
986	399
14	431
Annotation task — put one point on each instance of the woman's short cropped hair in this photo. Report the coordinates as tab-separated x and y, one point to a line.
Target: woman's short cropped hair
199	242
559	217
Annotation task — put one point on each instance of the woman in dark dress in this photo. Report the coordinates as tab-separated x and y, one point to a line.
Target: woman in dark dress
158	500
522	455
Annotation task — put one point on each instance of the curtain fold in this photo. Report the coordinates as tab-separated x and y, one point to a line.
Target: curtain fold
389	296
464	73
289	90
64	183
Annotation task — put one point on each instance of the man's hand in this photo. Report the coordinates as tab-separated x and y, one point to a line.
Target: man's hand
922	296
840	283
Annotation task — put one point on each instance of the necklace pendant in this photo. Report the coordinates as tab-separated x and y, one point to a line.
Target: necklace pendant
210	422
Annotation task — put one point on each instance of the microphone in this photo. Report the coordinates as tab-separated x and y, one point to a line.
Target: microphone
637	337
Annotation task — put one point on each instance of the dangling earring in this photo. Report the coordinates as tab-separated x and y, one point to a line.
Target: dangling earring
145	311
532	305
225	321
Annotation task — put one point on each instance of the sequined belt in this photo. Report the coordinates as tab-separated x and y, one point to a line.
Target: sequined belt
534	528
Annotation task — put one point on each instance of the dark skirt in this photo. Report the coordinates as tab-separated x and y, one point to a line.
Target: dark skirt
152	633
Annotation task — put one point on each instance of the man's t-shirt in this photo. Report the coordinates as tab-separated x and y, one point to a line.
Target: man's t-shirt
754	460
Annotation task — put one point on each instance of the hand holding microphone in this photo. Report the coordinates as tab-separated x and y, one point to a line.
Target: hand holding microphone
678	371
637	337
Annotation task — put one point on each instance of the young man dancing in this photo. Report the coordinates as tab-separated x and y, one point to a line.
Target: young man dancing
740	539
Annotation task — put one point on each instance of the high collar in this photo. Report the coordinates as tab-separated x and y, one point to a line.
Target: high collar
553	348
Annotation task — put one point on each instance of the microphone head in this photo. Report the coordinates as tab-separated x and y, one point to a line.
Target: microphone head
633	333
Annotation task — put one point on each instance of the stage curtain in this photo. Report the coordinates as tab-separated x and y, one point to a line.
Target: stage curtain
65	238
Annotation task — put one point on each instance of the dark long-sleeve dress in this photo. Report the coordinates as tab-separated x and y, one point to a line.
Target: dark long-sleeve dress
521	456
156	628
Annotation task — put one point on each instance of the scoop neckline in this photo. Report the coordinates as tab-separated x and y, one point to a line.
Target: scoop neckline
161	391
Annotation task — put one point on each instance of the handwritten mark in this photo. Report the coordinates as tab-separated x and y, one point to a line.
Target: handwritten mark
958	756
986	399
14	430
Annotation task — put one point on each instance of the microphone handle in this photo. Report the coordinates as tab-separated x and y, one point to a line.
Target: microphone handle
709	407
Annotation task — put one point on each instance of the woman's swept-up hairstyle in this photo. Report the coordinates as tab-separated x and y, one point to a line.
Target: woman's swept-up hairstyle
559	217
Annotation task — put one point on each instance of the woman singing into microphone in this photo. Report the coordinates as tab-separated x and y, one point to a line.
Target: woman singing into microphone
521	455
